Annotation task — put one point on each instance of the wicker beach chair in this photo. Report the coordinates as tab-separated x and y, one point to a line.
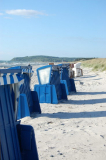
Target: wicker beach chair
26	101
17	142
50	88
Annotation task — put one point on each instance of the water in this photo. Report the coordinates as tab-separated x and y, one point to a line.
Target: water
13	64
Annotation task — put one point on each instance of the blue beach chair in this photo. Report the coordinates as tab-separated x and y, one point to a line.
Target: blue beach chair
27	100
66	80
50	88
17	142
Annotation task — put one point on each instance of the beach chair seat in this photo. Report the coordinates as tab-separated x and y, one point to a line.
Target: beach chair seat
50	88
65	78
78	71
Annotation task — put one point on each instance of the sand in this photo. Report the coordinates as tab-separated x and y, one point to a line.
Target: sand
73	129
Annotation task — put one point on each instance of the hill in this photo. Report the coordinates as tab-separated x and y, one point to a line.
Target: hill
42	58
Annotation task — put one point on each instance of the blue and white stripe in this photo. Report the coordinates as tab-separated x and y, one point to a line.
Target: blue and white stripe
15	74
10	78
27	71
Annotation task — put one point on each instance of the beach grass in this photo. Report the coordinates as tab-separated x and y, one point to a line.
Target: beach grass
98	64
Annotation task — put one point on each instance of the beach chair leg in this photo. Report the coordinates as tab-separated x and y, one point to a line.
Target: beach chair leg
64	92
64	86
73	88
23	109
36	105
27	142
54	95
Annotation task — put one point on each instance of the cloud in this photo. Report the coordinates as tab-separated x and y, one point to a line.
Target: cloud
1	14
24	12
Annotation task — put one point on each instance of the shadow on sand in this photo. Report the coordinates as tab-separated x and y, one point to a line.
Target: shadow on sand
87	76
90	93
82	102
67	115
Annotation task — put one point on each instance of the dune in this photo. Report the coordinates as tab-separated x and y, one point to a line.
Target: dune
73	129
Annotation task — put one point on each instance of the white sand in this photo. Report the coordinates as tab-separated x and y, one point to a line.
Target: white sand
73	129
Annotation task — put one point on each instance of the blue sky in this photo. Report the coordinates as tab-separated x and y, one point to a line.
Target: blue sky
64	28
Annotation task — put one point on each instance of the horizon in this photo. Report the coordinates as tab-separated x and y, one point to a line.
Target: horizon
64	28
50	56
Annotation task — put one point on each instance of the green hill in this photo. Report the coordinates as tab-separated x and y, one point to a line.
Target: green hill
45	59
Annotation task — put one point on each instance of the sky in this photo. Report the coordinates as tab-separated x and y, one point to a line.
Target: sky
62	28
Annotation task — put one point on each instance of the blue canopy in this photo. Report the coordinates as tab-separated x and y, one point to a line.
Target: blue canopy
8	76
14	74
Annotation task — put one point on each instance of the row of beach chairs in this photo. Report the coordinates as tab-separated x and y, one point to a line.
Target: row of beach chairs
17	141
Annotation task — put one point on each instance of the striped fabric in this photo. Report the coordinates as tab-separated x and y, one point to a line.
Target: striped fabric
10	78
15	74
27	71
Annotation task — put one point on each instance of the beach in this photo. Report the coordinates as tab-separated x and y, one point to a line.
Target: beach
74	129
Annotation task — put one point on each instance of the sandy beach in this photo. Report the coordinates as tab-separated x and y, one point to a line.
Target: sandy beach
73	129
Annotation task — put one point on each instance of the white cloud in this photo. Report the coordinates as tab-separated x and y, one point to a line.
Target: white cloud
24	12
1	14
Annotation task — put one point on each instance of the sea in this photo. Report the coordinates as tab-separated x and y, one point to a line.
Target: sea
14	64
